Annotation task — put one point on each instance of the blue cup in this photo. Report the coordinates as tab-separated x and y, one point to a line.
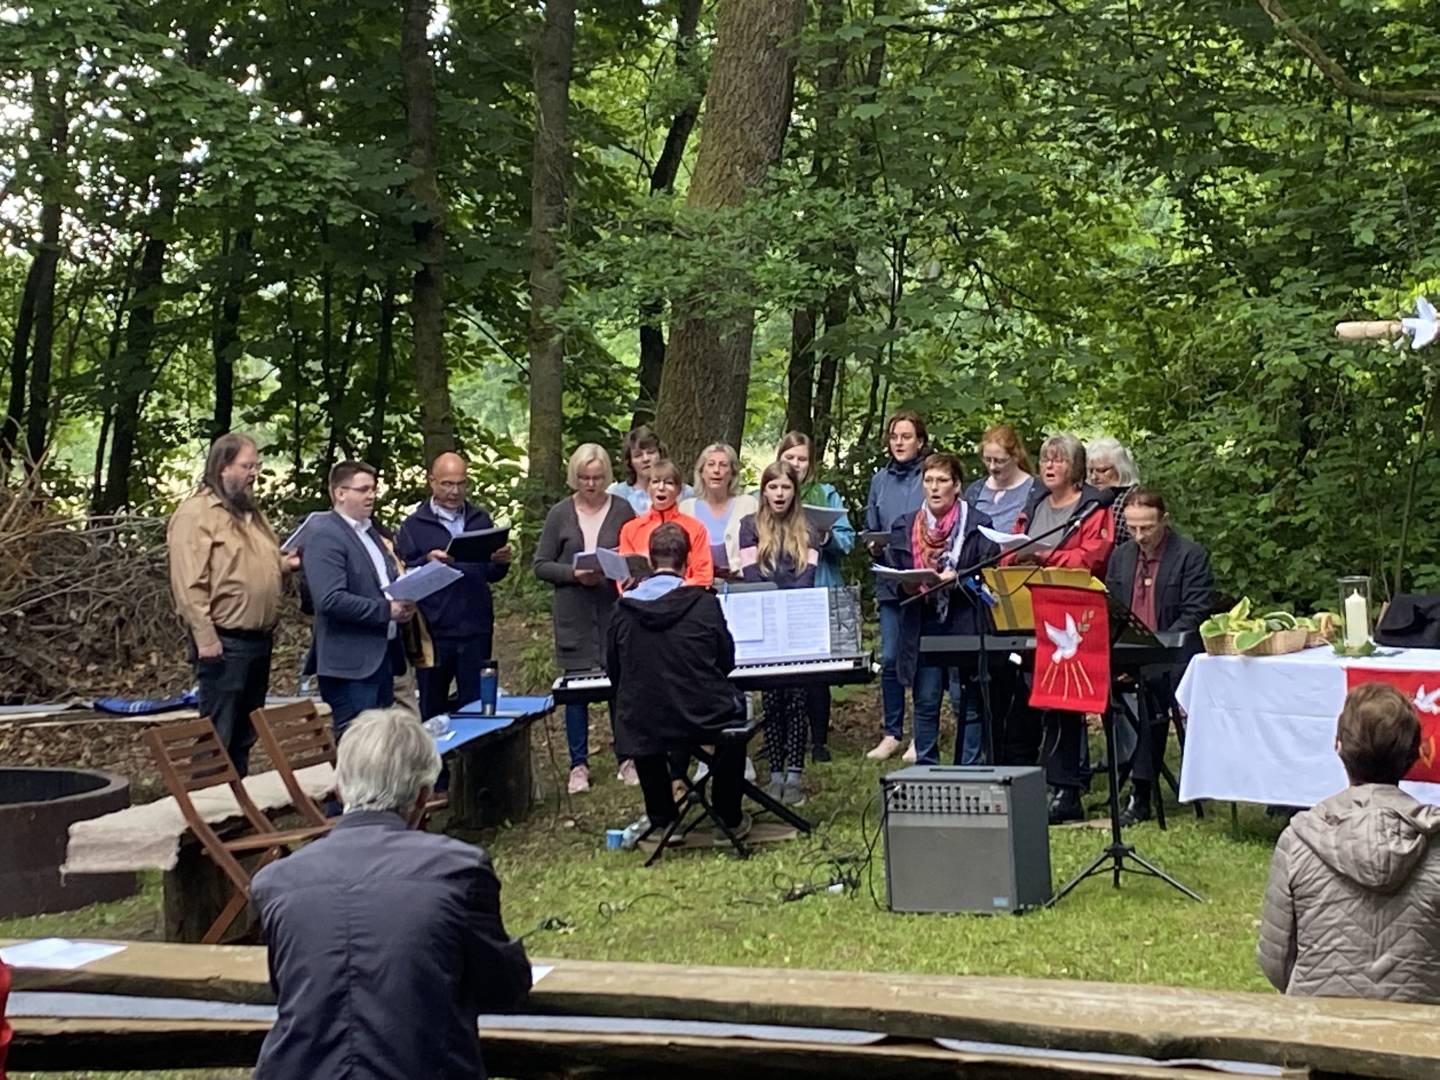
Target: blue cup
614	839
489	687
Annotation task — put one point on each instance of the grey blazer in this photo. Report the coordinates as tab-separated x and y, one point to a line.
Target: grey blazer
581	613
352	615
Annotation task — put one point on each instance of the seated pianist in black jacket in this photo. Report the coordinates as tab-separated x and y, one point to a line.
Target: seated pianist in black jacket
669	655
1165	579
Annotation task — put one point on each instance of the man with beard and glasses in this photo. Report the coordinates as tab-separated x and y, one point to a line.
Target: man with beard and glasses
225	573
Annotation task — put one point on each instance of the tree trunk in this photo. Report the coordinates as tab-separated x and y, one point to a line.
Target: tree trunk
225	339
19	367
427	294
707	366
107	379
384	364
832	350
662	181
135	373
800	377
549	184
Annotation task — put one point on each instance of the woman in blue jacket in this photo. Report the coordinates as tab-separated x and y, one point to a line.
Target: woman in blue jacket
797	451
894	492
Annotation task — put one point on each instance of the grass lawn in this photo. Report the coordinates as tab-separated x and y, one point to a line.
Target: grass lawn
705	907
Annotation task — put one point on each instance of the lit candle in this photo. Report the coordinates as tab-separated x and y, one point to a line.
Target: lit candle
1357	630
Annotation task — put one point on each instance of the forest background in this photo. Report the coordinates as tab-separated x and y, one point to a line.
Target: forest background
378	230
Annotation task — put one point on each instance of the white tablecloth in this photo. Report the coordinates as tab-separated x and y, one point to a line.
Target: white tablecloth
1262	729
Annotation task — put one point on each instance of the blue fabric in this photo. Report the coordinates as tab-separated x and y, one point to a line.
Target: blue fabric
577	732
465	609
352	615
143	706
839	543
892	693
652	588
1003	506
714	524
372	922
965	701
348	698
639	498
894	492
511	705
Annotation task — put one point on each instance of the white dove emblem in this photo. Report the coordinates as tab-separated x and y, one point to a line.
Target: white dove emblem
1425	326
1067	644
1427	703
1067	641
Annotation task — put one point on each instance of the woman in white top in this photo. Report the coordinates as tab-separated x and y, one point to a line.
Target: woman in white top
719	504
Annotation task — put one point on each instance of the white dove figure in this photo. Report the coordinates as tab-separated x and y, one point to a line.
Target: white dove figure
1424	327
1067	641
1427	703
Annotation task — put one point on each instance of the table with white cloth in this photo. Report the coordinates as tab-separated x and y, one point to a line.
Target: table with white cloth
1261	729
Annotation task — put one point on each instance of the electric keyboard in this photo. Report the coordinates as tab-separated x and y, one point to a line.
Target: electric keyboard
963	650
591	686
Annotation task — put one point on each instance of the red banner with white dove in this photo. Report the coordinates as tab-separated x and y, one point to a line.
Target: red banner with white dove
1072	649
1422	688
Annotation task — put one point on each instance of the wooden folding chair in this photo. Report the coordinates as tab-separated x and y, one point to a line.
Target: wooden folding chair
191	758
296	736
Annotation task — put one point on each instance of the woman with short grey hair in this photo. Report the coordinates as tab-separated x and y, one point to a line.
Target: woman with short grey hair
1060	498
1111	466
387	761
589	519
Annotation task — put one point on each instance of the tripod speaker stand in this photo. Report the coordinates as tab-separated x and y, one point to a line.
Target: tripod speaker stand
1119	856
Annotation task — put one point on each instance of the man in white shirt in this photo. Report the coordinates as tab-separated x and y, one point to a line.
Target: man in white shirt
357	651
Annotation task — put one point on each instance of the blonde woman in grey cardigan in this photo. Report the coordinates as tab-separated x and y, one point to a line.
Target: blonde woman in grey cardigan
1353	905
584	521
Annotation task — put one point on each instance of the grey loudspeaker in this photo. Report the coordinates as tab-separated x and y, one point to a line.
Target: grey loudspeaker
966	838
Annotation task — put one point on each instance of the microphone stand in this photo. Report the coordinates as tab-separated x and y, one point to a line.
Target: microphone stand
982	675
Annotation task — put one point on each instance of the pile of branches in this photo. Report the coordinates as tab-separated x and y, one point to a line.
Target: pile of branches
85	607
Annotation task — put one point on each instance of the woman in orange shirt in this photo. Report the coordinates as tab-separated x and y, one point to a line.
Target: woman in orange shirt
664	486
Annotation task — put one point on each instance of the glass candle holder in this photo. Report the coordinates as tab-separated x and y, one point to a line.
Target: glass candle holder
1355	610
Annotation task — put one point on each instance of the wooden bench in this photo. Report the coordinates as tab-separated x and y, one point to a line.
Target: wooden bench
1321	1038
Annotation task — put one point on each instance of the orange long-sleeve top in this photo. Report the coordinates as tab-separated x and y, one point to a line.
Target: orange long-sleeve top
635	540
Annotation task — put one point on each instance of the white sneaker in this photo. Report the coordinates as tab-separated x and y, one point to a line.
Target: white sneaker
701	771
627	774
749	770
910	755
579	780
884	749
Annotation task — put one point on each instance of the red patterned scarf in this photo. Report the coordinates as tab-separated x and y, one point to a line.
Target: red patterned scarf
928	543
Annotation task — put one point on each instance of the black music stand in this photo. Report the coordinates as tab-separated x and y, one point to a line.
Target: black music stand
1126	627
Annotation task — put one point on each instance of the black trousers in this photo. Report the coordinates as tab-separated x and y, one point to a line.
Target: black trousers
1064	742
457	660
727	772
1150	747
234	685
817	706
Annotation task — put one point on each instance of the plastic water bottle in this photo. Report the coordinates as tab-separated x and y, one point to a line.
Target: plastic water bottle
438	725
631	836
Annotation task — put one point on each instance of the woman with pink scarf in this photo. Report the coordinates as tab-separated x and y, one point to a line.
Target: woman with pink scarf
943	535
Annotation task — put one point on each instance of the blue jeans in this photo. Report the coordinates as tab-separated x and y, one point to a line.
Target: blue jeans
577	732
348	698
892	694
930	685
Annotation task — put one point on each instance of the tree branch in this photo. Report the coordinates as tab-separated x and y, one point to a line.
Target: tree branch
1332	70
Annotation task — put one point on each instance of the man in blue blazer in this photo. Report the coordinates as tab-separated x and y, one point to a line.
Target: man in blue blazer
461	619
357	648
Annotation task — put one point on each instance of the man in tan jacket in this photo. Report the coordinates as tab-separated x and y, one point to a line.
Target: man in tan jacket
225	573
1353	905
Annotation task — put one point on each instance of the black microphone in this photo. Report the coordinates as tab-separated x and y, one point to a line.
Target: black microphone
1105	497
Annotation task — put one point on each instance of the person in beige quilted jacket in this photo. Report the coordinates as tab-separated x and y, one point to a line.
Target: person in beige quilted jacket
1353	904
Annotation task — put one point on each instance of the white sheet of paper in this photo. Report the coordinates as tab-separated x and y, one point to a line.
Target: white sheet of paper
57	954
425	580
539	971
794	623
823	517
296	539
1005	540
744	616
924	576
